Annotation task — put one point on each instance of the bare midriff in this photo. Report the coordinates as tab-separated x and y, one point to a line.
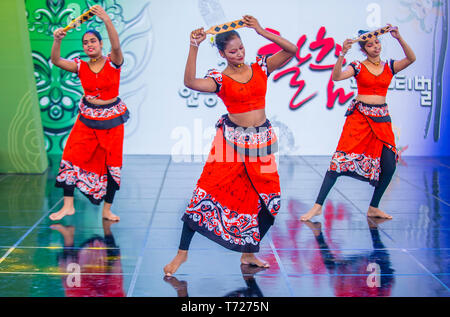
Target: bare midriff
371	99
100	102
248	119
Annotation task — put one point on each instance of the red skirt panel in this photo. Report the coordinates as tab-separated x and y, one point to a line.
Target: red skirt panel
88	156
99	266
366	130
233	190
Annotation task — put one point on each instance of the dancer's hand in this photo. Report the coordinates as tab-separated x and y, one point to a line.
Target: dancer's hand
394	32
197	36
346	46
59	34
252	22
100	12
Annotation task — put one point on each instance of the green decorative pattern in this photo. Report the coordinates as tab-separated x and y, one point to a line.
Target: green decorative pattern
24	137
21	137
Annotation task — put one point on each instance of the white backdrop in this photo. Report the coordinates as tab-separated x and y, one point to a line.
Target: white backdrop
167	118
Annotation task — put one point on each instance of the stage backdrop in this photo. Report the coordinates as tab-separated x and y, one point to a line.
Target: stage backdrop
302	102
21	139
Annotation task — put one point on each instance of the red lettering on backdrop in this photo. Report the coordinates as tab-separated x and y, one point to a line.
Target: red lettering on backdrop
326	45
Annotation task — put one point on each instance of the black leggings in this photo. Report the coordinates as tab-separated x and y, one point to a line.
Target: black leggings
387	163
265	220
110	190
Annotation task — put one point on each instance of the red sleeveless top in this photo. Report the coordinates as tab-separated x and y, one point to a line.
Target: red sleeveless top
243	97
368	83
104	84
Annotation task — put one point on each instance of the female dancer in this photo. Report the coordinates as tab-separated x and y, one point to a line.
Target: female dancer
366	148
99	262
238	193
92	157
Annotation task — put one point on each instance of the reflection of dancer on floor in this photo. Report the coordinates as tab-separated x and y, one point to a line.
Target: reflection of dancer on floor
179	286
349	274
238	193
248	273
98	262
366	148
92	158
252	289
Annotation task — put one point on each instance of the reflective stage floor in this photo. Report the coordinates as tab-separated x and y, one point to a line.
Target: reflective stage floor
340	253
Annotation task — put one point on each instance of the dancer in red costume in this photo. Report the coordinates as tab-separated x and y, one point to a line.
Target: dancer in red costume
94	268
350	274
366	148
92	158
238	193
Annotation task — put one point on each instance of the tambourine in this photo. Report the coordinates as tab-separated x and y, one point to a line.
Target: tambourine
369	35
81	19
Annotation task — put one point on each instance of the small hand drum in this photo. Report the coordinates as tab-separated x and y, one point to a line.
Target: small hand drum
81	19
370	35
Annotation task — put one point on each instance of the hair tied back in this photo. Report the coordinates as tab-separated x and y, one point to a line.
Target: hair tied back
361	32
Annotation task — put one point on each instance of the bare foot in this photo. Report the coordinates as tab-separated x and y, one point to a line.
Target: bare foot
173	266
107	214
377	213
66	210
314	211
110	216
67	232
373	222
64	230
179	286
251	259
249	271
316	227
107	226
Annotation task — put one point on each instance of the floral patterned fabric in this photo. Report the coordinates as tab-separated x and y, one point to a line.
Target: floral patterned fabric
102	113
88	156
378	113
359	164
91	184
362	139
232	192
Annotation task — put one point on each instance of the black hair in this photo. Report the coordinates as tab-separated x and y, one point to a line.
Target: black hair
96	33
362	44
222	39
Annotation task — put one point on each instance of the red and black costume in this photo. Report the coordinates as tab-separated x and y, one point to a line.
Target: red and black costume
238	193
366	148
92	157
100	268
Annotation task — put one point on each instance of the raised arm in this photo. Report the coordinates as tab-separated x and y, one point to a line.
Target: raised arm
116	52
410	57
55	56
278	59
190	80
337	73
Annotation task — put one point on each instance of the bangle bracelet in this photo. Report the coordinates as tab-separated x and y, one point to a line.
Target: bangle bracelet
196	45
342	54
